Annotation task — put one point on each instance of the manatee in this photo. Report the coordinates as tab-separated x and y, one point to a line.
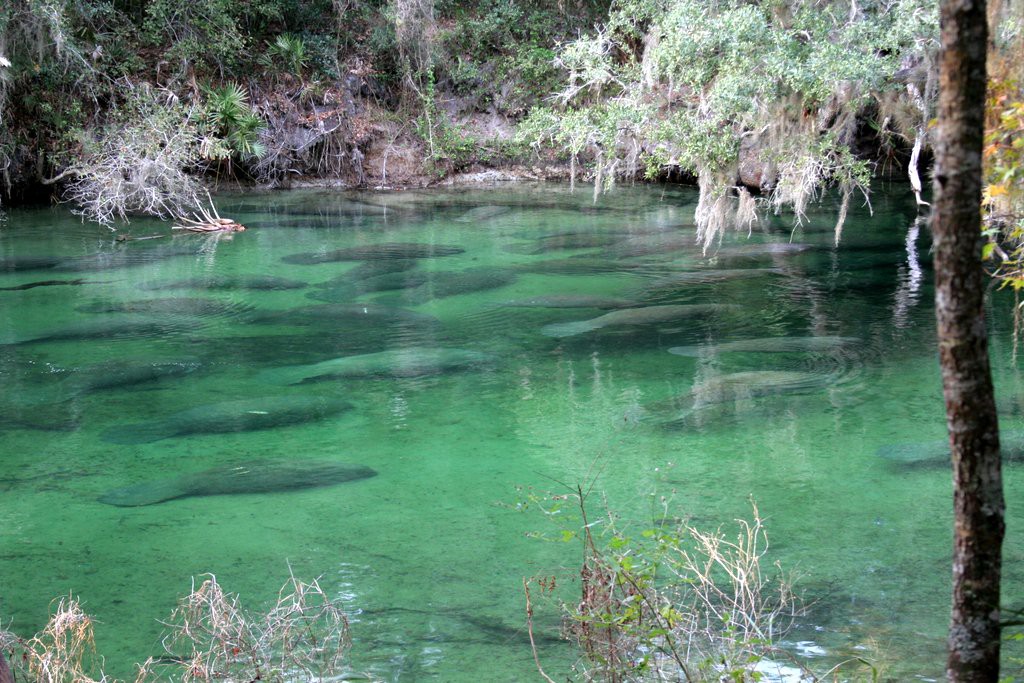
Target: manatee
578	266
571	301
769	345
628	317
346	291
937	453
656	245
344	314
16	264
267	412
739	386
482	213
754	384
370	269
445	284
122	258
168	306
258	476
373	252
408	362
48	283
126	373
705	277
229	282
43	417
103	329
551	243
764	249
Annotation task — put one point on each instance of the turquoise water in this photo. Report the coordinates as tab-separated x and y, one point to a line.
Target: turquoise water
476	404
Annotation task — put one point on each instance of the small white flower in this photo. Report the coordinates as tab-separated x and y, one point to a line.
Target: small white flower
4	62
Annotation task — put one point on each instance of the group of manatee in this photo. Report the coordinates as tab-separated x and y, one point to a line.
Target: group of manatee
394	268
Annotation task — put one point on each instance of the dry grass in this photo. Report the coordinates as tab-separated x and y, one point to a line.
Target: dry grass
63	652
697	606
304	636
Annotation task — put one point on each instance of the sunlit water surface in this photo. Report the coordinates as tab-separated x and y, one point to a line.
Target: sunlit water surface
428	557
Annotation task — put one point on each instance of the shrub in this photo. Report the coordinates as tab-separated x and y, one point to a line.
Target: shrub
672	604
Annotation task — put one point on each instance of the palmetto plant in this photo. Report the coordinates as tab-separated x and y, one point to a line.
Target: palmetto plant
288	54
235	122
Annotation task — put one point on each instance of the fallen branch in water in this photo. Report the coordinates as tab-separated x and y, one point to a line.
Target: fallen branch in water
205	221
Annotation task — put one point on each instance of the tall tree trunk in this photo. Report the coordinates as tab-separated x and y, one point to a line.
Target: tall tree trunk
963	346
5	671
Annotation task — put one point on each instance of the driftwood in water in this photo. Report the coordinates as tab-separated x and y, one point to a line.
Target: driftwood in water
209	221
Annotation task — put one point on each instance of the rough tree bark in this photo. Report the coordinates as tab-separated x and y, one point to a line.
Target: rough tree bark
5	672
979	522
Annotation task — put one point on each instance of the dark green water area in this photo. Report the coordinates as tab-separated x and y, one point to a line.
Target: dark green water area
366	387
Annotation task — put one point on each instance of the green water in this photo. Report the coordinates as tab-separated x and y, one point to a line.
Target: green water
428	556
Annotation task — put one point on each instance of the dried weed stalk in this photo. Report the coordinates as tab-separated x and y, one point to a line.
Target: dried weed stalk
63	652
692	606
304	636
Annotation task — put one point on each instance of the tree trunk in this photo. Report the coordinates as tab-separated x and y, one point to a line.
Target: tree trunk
5	672
963	346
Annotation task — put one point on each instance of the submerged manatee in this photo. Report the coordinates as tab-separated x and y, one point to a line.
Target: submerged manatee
445	284
346	291
370	269
48	283
46	417
742	385
937	453
261	476
571	301
122	258
125	373
578	266
628	317
104	329
246	415
654	245
769	345
17	264
565	242
678	281
373	252
739	386
228	282
764	249
482	213
408	362
187	306
344	314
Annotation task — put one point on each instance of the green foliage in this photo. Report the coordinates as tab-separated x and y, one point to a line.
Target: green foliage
447	148
287	54
678	85
322	54
199	33
1004	190
232	119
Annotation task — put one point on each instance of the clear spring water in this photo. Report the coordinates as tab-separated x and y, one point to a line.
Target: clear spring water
429	555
